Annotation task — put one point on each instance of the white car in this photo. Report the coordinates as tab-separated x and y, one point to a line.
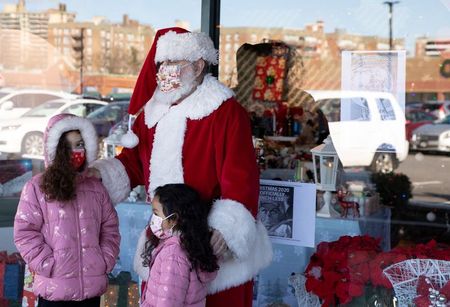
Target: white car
14	103
367	128
432	137
25	135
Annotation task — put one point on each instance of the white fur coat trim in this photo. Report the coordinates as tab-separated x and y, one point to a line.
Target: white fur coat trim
208	96
114	178
189	46
247	239
166	162
87	132
166	165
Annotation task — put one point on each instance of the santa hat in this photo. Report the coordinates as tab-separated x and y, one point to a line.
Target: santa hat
172	44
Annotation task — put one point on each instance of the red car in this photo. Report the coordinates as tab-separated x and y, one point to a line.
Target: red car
416	118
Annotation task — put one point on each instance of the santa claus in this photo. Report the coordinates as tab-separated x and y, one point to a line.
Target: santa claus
190	129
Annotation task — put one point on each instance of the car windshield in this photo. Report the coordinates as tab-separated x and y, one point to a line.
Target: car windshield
109	113
44	110
3	95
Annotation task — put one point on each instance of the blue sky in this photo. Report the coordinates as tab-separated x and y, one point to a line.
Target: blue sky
412	18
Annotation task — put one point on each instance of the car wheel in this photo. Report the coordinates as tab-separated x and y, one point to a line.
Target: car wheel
33	144
384	162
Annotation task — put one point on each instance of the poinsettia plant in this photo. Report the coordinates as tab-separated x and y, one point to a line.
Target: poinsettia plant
346	270
339	270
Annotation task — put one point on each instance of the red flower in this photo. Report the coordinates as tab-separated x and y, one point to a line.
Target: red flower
381	262
340	269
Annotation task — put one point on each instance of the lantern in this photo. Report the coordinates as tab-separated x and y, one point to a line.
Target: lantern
326	163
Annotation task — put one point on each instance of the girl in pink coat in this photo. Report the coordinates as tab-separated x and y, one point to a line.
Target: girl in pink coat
66	227
179	254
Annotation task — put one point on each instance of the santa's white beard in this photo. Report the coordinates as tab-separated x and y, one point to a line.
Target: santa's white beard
187	84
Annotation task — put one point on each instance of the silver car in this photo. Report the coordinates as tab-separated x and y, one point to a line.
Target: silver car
432	137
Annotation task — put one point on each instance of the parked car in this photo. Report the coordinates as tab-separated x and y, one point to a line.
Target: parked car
432	137
109	115
416	118
440	109
25	134
117	97
367	128
14	103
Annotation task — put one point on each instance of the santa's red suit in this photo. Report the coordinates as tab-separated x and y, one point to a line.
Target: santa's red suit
205	141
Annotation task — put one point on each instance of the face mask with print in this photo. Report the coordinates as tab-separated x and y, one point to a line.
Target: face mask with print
156	227
78	157
169	77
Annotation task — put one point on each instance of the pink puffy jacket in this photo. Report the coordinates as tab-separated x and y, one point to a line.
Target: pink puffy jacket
72	246
171	283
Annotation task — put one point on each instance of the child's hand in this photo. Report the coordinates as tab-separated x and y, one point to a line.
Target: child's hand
218	244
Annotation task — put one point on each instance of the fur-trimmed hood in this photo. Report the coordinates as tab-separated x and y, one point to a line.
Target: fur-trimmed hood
61	123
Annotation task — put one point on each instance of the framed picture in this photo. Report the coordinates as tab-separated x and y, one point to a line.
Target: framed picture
288	211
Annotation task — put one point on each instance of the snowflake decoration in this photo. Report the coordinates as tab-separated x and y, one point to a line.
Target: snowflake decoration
299	251
277	255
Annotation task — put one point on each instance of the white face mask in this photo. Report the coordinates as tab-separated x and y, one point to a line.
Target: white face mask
167	94
156	227
169	77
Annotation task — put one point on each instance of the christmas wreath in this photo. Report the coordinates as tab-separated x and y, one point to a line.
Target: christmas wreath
445	69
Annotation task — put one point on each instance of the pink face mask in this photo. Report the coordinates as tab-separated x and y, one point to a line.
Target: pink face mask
169	77
156	227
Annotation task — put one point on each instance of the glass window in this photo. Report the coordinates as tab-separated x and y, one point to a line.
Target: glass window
366	126
44	110
23	100
77	109
108	113
344	109
385	109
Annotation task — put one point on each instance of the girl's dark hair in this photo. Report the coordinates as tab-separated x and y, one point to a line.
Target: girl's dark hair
191	216
58	180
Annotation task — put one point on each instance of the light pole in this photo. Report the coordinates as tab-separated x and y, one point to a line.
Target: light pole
78	48
391	9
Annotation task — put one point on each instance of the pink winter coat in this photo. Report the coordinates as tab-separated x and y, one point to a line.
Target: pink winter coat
171	282
72	246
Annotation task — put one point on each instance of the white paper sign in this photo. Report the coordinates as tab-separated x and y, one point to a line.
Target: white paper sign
375	71
288	210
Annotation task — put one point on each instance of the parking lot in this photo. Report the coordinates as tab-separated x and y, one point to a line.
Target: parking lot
430	176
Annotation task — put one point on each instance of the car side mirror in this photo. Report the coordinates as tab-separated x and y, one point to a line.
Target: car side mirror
7	105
